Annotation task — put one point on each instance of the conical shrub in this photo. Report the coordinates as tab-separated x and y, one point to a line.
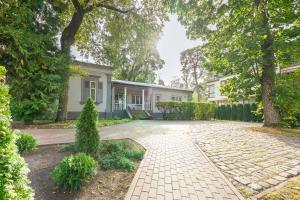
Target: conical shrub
14	184
87	136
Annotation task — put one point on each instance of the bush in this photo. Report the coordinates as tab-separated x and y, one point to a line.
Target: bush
87	137
177	110
25	143
118	155
14	183
73	171
287	98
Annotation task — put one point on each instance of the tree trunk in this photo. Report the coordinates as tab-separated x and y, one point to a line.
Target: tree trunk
67	40
271	114
196	82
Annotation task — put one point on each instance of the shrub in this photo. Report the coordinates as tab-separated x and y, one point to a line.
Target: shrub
177	110
87	137
118	155
73	171
240	112
25	143
233	112
14	183
287	98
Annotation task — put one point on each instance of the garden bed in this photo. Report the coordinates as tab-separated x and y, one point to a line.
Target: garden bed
107	184
66	124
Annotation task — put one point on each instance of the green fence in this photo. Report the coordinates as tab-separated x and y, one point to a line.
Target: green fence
238	112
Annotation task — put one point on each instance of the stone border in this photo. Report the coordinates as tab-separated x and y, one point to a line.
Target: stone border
235	191
136	177
267	191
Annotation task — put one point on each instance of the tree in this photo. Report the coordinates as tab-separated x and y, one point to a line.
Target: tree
176	82
28	51
161	82
249	38
87	137
94	16
191	61
14	183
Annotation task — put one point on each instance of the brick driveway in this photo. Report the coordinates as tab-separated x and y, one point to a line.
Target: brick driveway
175	168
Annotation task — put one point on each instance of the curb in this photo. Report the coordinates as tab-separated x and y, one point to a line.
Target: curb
235	191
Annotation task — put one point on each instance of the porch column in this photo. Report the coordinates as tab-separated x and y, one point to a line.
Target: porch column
143	99
125	98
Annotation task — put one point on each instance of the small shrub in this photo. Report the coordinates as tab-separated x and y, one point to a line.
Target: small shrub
118	155
87	138
25	143
73	171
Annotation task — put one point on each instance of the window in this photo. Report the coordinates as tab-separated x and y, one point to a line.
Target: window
176	98
93	90
136	99
211	91
157	99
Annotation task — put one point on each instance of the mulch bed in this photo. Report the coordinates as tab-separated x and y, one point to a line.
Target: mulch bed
107	185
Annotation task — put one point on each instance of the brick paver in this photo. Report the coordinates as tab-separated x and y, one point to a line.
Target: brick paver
174	168
252	161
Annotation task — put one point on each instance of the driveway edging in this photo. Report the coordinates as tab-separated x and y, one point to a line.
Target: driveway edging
236	192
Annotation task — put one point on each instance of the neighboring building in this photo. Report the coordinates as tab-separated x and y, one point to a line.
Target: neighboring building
213	86
116	97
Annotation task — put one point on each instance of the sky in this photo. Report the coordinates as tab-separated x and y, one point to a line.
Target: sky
172	42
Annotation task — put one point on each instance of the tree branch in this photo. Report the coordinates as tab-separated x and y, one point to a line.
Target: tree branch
108	7
77	5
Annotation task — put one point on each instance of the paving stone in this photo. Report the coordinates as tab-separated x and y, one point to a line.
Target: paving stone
255	186
243	180
272	181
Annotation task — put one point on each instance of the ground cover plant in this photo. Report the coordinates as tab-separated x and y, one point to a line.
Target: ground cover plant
119	155
25	143
73	171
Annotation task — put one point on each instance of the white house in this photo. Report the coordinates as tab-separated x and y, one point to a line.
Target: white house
213	86
117	97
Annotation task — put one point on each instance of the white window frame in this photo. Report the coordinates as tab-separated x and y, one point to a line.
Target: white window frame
95	90
211	93
135	98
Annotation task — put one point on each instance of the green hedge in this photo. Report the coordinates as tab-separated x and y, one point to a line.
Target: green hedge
14	183
238	112
176	110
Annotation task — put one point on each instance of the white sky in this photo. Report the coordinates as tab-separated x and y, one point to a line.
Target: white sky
172	42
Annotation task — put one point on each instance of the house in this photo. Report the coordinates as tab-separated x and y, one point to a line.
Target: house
213	86
117	97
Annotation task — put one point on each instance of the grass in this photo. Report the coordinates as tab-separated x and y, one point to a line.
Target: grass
102	122
278	131
290	191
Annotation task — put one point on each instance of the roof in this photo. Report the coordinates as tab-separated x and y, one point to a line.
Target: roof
149	85
94	65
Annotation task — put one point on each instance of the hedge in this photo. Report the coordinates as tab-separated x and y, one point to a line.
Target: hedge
238	112
177	110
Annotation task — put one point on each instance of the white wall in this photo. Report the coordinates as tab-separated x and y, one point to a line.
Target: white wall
166	95
74	92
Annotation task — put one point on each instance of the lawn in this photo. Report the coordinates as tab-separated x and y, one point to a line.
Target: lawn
290	191
278	131
67	124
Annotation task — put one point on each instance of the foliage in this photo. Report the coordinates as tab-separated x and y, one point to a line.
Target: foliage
14	183
100	122
119	155
87	136
204	111
287	98
185	110
238	112
242	38
25	143
28	31
192	69
73	171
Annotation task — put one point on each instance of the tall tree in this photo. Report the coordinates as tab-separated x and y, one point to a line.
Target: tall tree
28	50
176	82
84	19
192	69
248	37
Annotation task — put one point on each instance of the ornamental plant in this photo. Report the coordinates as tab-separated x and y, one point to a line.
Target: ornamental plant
25	143
73	171
87	136
14	183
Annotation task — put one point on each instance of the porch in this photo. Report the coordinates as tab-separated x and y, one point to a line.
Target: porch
130	97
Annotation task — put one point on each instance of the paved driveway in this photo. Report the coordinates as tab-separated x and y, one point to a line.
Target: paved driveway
175	168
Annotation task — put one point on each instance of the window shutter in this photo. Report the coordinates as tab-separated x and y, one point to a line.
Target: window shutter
85	90
100	92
